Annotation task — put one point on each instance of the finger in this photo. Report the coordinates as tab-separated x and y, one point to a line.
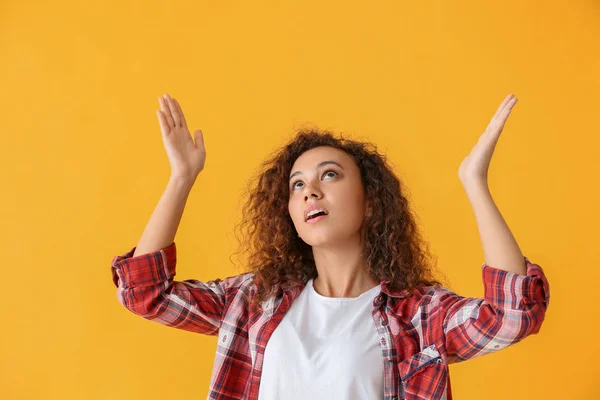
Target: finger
497	124
165	110
507	109
510	100
174	111
182	117
166	113
199	136
502	106
164	127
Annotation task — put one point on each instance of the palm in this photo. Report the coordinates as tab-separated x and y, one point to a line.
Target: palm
477	163
186	156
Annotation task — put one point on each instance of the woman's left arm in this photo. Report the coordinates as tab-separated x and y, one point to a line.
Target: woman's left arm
516	291
500	247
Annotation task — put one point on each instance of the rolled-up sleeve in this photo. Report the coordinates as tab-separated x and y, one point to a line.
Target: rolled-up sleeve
146	286
512	308
150	269
505	289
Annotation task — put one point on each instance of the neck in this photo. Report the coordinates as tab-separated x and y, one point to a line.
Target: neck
341	272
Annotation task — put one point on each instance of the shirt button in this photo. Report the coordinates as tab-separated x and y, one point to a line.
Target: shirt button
383	322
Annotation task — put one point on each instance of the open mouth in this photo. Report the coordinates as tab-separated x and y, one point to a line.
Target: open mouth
316	218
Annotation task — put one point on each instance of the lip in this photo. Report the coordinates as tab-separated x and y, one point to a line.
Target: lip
314	207
316	219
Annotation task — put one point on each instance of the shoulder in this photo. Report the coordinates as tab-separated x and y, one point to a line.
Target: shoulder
243	282
434	298
422	299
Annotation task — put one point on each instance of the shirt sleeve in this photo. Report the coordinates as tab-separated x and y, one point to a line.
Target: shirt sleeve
146	286
512	308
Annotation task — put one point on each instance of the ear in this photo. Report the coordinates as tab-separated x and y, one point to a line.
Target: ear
368	209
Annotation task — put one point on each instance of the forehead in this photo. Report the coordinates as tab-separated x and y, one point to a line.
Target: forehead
312	157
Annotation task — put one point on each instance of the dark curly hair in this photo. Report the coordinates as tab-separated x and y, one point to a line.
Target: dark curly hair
394	249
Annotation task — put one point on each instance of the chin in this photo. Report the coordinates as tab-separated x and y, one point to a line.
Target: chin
311	241
323	239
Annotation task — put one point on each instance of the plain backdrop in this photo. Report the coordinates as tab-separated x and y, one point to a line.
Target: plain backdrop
83	165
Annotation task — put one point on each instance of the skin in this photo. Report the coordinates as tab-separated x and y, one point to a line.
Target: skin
336	240
500	247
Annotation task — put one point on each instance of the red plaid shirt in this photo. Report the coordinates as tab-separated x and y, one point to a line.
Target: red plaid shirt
420	332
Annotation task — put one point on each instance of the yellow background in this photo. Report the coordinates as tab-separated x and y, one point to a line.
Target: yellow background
83	165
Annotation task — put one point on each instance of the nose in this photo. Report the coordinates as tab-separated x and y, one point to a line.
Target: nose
311	195
311	191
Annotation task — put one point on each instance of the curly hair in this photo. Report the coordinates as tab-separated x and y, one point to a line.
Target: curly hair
394	249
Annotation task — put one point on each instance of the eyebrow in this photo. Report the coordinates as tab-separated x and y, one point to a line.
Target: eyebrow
322	163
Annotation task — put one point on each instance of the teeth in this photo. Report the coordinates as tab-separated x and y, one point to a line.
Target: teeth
313	212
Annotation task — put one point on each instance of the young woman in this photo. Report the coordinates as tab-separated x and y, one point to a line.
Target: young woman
339	301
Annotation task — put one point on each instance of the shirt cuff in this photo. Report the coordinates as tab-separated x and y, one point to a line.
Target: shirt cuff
146	269
506	289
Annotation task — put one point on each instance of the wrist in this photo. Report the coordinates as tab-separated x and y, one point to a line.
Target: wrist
184	181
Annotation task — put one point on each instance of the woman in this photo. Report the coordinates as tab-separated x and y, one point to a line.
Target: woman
340	299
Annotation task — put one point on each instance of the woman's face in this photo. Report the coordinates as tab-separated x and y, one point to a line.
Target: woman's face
329	178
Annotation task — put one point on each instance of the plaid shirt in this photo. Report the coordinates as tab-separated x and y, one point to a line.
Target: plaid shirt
420	332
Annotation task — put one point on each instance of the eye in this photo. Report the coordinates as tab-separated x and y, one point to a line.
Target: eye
325	173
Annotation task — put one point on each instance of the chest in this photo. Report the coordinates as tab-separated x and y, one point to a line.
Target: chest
409	365
341	337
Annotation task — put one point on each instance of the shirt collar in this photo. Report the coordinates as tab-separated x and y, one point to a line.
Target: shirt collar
393	293
385	289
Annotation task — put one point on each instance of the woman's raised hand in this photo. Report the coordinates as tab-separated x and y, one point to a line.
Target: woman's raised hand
186	156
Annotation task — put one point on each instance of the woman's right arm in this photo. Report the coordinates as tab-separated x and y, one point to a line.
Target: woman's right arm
144	276
146	286
187	158
162	226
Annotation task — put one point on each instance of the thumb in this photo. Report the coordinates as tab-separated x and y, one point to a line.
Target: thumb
198	138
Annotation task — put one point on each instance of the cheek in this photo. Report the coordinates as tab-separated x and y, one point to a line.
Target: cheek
355	203
294	212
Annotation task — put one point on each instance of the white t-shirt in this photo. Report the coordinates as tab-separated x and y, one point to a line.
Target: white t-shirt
324	348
